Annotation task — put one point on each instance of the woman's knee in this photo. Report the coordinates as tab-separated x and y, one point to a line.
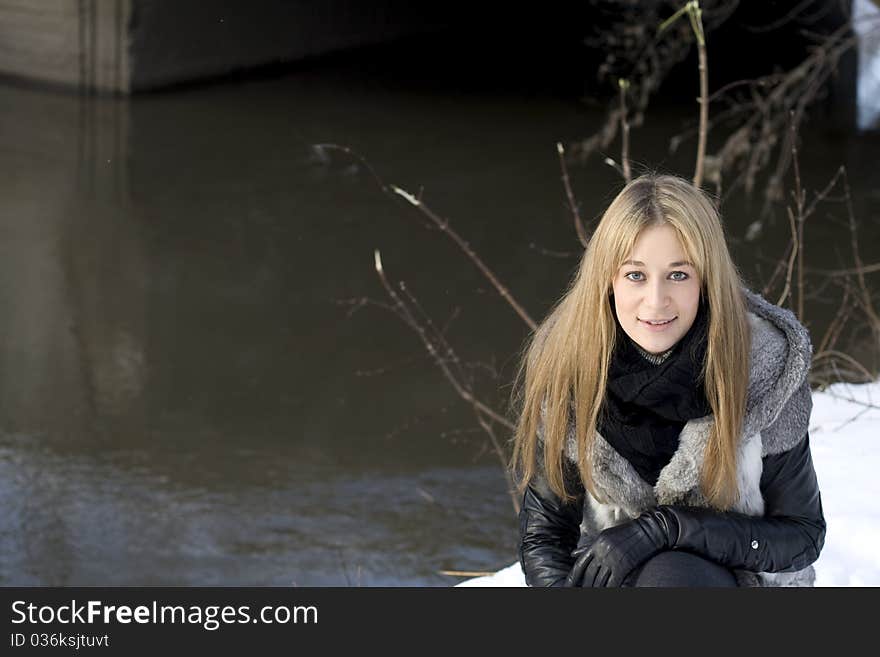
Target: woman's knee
676	568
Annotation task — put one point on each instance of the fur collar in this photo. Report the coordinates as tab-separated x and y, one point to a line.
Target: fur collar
777	413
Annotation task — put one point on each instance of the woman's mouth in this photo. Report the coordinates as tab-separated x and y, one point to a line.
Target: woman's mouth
657	324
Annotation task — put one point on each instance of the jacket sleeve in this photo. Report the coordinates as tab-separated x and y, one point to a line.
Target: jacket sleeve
549	529
788	537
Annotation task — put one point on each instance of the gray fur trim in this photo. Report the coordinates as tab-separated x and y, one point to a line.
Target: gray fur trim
779	365
682	474
798	578
614	476
790	427
805	577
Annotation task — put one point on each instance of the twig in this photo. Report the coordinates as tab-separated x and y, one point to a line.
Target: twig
433	339
441	344
780	266
697	24
855	417
832	333
550	253
678	14
795	247
864	269
834	354
773	98
797	236
823	195
692	9
499	452
623	84
796	242
636	47
435	343
466	573
405	313
787	18
852	400
578	223
854	244
444	226
799	197
353	153
358	303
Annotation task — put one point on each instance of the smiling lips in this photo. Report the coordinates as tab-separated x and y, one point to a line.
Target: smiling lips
656	324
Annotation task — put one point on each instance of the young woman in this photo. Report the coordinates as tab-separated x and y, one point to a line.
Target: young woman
662	438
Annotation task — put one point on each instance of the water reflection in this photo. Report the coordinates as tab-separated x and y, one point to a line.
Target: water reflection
183	399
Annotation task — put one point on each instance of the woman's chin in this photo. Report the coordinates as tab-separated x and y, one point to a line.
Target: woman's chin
656	346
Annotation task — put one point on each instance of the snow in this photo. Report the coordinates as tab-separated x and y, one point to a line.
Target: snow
845	444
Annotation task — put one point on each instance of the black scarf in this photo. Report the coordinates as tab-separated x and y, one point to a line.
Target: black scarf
647	405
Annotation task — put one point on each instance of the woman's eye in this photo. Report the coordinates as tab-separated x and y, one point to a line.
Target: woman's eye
674	276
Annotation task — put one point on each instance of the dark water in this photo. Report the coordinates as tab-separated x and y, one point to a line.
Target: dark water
187	397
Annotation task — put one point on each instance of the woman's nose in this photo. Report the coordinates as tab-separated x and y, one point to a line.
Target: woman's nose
657	295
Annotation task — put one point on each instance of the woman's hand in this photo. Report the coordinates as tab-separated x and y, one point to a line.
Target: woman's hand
618	550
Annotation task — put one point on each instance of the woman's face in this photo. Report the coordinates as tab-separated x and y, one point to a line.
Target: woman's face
656	283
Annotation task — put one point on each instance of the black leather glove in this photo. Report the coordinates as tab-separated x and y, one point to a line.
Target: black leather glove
788	537
618	550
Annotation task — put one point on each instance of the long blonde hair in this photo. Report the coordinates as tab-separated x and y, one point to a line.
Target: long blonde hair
567	358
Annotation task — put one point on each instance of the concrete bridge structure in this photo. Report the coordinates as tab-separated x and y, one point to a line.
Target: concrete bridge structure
127	46
124	46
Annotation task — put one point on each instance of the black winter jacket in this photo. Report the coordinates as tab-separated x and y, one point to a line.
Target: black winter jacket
788	537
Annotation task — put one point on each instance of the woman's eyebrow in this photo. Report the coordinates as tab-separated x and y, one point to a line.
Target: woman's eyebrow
639	263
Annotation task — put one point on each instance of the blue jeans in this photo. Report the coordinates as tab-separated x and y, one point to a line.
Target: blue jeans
676	568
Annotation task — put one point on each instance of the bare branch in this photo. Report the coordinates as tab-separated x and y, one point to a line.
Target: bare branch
404	312
551	253
794	244
801	218
444	227
499	451
854	244
852	400
864	269
839	355
466	573
833	332
578	223
695	15
623	84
